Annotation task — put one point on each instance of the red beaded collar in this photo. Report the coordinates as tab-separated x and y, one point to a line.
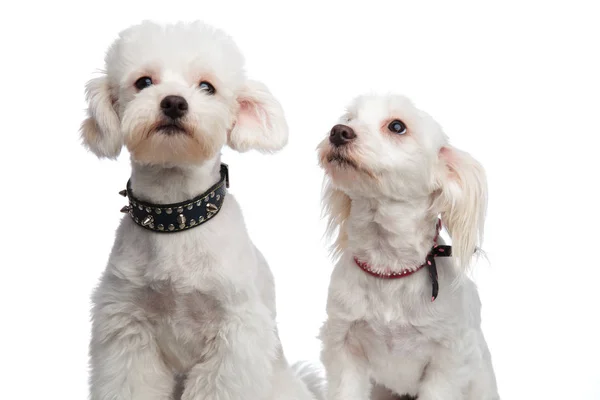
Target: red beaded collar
436	251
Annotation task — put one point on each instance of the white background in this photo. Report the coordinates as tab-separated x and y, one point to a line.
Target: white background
516	83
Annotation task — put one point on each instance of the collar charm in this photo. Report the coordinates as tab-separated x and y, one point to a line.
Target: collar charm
177	217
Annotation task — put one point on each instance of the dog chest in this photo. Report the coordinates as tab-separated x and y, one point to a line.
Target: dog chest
397	353
185	322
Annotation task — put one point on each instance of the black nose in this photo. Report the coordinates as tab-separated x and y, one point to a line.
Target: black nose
174	106
341	135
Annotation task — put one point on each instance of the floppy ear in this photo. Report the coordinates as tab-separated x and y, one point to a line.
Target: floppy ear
462	201
260	123
336	208
101	131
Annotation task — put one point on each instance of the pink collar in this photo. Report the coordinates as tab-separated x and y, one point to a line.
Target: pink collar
436	251
386	275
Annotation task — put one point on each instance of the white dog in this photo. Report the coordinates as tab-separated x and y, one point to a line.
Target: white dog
186	306
390	173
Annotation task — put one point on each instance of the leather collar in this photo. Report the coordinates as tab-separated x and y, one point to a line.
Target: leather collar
177	217
436	251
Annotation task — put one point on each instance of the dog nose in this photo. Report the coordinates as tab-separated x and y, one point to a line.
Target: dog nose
174	106
341	135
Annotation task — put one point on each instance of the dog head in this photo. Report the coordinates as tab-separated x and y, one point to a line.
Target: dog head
384	147
175	95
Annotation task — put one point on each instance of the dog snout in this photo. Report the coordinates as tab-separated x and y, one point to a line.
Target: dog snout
174	106
341	135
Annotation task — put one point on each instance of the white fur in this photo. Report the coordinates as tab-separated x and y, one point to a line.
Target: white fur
387	336
189	315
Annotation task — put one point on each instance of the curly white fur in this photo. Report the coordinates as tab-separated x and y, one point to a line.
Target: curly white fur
189	315
383	194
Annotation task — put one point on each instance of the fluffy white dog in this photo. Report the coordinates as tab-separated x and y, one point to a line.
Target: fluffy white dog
186	306
397	325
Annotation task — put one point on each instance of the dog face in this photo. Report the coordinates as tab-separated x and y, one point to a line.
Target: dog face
382	146
385	148
174	95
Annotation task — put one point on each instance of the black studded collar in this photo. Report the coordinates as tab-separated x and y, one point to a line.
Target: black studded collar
177	217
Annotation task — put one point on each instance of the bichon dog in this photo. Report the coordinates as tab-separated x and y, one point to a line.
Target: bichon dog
186	306
398	324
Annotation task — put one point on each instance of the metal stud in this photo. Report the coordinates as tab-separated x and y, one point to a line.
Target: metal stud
125	209
190	206
171	227
169	211
161	227
148	220
181	219
212	194
192	222
211	208
158	211
179	209
123	192
218	197
181	226
148	210
198	203
201	219
141	207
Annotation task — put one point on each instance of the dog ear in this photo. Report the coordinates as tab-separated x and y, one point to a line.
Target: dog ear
260	123
462	201
336	208
101	130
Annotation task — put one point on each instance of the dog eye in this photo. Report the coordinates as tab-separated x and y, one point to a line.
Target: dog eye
397	126
143	82
207	87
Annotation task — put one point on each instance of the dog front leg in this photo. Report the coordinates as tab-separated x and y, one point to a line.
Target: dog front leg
445	377
126	365
345	363
238	363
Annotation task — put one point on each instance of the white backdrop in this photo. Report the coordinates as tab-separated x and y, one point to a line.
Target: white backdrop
516	83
